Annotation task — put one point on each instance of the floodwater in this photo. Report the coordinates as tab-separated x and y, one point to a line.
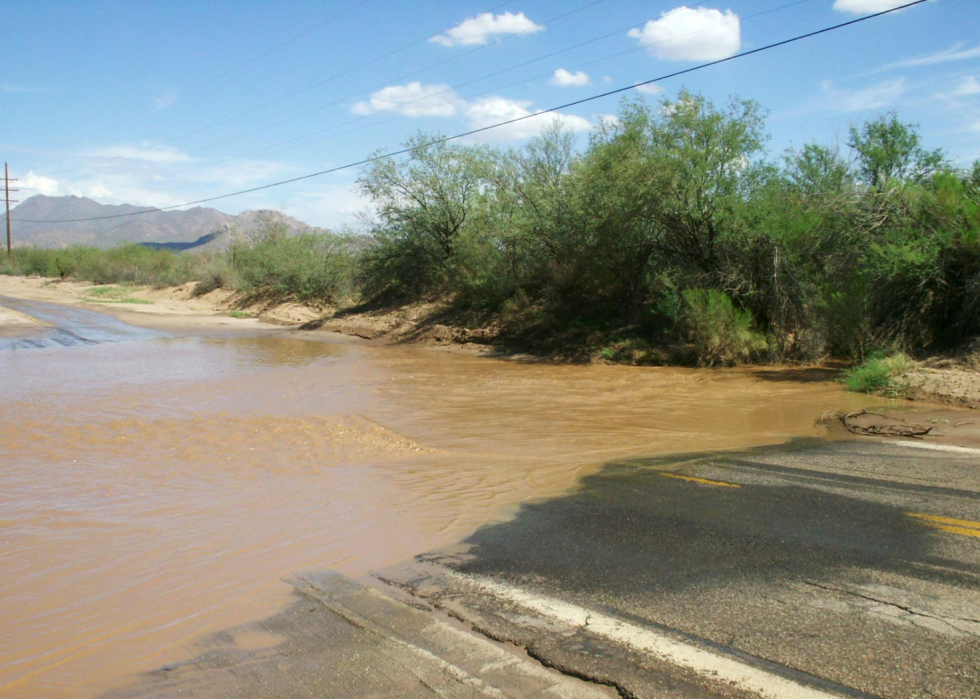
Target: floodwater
155	487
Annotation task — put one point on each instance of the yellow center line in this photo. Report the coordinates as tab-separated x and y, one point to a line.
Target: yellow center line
965	527
702	481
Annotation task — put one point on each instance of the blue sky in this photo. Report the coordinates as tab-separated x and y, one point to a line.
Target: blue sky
157	103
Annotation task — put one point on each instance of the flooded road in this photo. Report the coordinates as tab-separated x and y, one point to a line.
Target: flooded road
157	487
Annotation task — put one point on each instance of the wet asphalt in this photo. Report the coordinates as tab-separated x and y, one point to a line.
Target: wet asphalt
68	326
849	566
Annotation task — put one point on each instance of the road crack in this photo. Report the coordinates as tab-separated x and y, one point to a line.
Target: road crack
947	620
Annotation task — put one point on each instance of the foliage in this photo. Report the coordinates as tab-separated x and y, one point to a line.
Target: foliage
670	230
313	268
879	374
671	220
126	264
719	332
424	205
888	149
113	294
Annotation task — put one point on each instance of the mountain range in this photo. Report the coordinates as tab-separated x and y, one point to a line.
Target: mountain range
179	230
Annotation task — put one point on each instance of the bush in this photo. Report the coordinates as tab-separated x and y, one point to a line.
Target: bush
215	273
879	374
314	268
719	332
126	264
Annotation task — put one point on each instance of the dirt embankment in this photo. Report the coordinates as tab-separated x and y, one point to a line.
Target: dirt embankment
949	380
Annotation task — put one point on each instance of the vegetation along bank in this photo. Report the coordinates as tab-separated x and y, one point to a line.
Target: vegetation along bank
672	236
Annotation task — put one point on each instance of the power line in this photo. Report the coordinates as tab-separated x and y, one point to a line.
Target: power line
307	88
301	141
472	132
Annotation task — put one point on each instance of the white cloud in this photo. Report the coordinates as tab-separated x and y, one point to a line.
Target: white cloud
411	100
479	29
867	7
99	190
564	78
331	205
844	101
606	79
686	34
879	96
492	110
42	185
967	87
235	174
956	52
147	152
650	89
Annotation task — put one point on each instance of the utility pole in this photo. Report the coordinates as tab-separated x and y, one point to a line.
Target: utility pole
7	191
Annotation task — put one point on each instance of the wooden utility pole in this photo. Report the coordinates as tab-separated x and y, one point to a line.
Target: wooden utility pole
7	191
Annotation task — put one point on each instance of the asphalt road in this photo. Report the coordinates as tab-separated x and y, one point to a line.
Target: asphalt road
808	571
815	569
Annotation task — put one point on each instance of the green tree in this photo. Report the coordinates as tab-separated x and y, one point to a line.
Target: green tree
817	171
422	204
888	149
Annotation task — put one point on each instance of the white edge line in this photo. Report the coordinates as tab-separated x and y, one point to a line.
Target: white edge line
710	665
937	447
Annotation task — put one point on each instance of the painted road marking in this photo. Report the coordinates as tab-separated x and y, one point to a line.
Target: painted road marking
702	481
712	666
965	527
937	447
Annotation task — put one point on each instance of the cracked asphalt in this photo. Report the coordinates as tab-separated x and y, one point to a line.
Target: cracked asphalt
849	567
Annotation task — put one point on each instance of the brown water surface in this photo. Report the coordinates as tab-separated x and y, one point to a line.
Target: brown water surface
156	490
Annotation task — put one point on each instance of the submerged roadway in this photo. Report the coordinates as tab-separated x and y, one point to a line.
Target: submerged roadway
816	569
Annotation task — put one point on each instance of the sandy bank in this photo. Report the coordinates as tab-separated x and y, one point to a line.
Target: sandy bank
948	381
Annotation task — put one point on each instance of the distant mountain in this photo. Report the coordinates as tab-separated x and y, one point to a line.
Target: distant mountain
179	230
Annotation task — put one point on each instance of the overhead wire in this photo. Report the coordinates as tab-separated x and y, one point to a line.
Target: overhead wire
360	93
302	141
472	132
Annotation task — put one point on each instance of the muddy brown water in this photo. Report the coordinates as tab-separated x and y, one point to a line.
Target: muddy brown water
157	490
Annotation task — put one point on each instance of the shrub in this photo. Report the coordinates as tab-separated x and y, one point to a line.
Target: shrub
719	332
313	268
215	273
879	374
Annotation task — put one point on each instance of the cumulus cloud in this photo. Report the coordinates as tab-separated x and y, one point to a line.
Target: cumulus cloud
411	100
686	34
480	29
492	110
146	152
565	78
99	190
40	184
866	7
